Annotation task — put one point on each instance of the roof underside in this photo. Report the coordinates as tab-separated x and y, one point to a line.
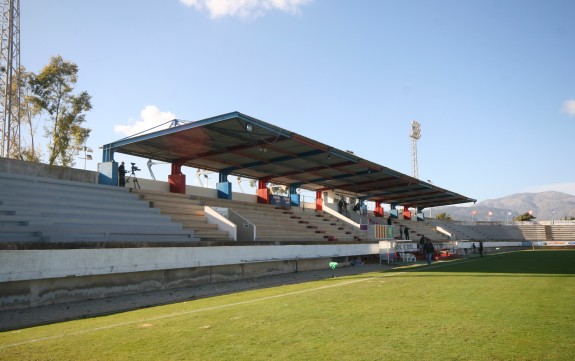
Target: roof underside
224	144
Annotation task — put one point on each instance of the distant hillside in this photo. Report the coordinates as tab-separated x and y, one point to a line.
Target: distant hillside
542	204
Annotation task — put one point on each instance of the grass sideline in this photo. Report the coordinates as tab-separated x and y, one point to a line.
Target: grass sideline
513	306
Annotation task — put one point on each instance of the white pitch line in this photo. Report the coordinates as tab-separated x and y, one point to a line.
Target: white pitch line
222	306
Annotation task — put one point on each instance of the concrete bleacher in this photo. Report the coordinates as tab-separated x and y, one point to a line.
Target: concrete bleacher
563	232
492	232
274	224
532	232
418	229
186	211
46	210
36	209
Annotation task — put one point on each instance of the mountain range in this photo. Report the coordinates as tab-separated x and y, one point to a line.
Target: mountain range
544	206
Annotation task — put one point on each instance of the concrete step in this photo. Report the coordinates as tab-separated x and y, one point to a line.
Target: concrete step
170	199
183	217
19	230
72	193
117	229
23	181
197	226
12	220
290	238
89	237
51	212
19	238
168	207
49	202
211	234
42	222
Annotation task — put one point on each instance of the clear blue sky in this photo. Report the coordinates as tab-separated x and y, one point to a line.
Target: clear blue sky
492	82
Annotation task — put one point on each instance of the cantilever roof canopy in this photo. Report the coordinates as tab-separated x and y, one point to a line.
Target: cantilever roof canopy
239	145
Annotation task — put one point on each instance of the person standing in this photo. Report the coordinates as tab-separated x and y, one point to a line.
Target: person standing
122	175
345	210
389	220
481	248
406	231
401	231
421	243
333	265
428	250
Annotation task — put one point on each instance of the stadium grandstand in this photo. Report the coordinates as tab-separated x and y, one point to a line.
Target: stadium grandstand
69	234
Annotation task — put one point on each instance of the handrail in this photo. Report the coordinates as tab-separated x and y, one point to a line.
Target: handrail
444	231
245	228
215	216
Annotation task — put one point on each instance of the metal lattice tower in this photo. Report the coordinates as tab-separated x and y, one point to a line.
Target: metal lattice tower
10	70
415	135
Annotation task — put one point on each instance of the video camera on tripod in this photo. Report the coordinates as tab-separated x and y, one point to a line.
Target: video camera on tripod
132	178
135	168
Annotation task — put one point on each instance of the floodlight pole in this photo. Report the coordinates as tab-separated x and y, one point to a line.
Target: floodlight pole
10	72
415	135
87	156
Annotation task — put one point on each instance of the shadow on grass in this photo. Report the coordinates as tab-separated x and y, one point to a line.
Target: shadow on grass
542	262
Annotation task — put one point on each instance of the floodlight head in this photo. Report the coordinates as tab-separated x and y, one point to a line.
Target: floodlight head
415	130
249	127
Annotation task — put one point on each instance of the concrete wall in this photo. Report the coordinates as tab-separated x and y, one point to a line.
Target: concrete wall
86	176
156	185
22	265
30	278
47	171
40	292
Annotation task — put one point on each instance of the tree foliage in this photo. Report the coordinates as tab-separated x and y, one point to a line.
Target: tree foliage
525	217
444	216
29	149
52	94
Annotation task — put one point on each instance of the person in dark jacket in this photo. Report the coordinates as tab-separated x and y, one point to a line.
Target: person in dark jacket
406	231
421	243
429	251
481	248
122	175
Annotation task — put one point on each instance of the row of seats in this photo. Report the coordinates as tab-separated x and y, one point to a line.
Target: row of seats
492	232
562	232
296	224
273	224
418	229
36	209
190	213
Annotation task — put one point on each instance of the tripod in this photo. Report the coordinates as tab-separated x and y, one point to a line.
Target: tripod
134	180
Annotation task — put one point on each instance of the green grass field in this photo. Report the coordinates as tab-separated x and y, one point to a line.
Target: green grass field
513	306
